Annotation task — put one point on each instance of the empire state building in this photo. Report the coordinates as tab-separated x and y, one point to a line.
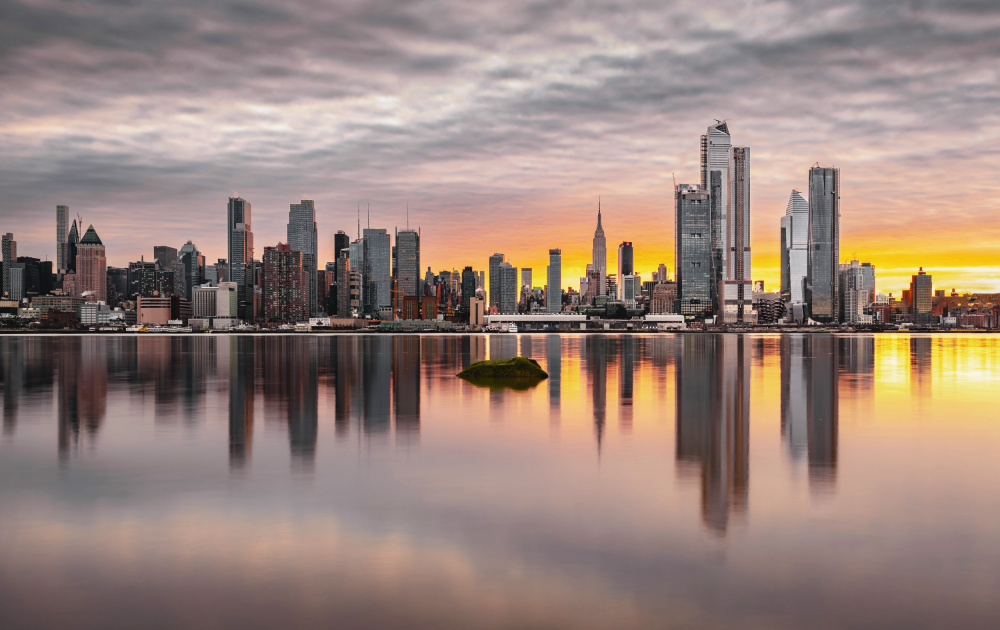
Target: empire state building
600	254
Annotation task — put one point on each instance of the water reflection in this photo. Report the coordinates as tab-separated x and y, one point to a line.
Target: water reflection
429	502
713	423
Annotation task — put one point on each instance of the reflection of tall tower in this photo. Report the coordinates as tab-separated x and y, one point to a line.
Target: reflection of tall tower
303	400
553	364
713	422
83	389
406	387
242	363
794	429
920	367
626	374
345	353
596	359
822	400
376	379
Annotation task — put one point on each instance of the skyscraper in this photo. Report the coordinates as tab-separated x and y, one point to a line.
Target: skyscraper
408	263
164	255
693	251
553	295
625	266
822	284
494	293
302	236
241	255
9	258
194	268
92	267
285	285
70	253
468	290
62	225
600	253
922	294
377	270
725	175
794	254
508	287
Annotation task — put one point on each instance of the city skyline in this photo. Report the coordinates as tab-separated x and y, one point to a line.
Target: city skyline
486	130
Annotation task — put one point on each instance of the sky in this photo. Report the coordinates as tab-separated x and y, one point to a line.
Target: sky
500	124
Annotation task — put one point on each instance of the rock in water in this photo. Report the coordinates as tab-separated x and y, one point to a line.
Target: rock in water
517	373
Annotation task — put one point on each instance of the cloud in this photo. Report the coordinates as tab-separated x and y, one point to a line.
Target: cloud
502	121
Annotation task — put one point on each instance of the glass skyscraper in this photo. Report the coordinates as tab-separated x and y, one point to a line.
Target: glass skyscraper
241	255
408	263
553	295
377	270
302	237
693	251
822	285
794	252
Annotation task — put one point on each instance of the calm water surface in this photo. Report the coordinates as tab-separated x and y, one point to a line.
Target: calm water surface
688	481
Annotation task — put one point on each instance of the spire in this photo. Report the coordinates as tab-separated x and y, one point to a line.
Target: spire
359	220
598	212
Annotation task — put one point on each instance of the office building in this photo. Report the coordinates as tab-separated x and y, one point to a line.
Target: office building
240	248
693	251
285	285
600	254
377	271
664	299
553	292
922	295
92	267
855	295
408	278
303	237
70	251
526	277
725	176
494	293
823	261
468	291
625	266
507	275
117	286
794	255
62	227
9	246
164	255
631	290
194	268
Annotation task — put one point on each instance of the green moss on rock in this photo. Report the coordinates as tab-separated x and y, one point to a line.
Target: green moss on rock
516	371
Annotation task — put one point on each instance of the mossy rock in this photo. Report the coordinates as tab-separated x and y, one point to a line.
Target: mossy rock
516	373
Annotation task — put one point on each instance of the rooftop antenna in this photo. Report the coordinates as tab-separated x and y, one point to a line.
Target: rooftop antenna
369	215
407	216
359	220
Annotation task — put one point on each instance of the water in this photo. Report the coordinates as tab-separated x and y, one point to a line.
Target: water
688	481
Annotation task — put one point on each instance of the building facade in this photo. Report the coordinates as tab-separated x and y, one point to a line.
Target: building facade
508	288
92	267
408	278
494	293
62	231
822	284
377	271
553	293
626	266
794	254
285	285
240	250
303	236
693	251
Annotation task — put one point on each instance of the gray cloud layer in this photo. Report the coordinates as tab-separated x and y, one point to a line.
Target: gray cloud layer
484	114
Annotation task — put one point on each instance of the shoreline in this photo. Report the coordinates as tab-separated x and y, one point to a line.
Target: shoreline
327	333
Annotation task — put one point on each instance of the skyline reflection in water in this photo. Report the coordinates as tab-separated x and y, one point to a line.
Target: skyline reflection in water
653	480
